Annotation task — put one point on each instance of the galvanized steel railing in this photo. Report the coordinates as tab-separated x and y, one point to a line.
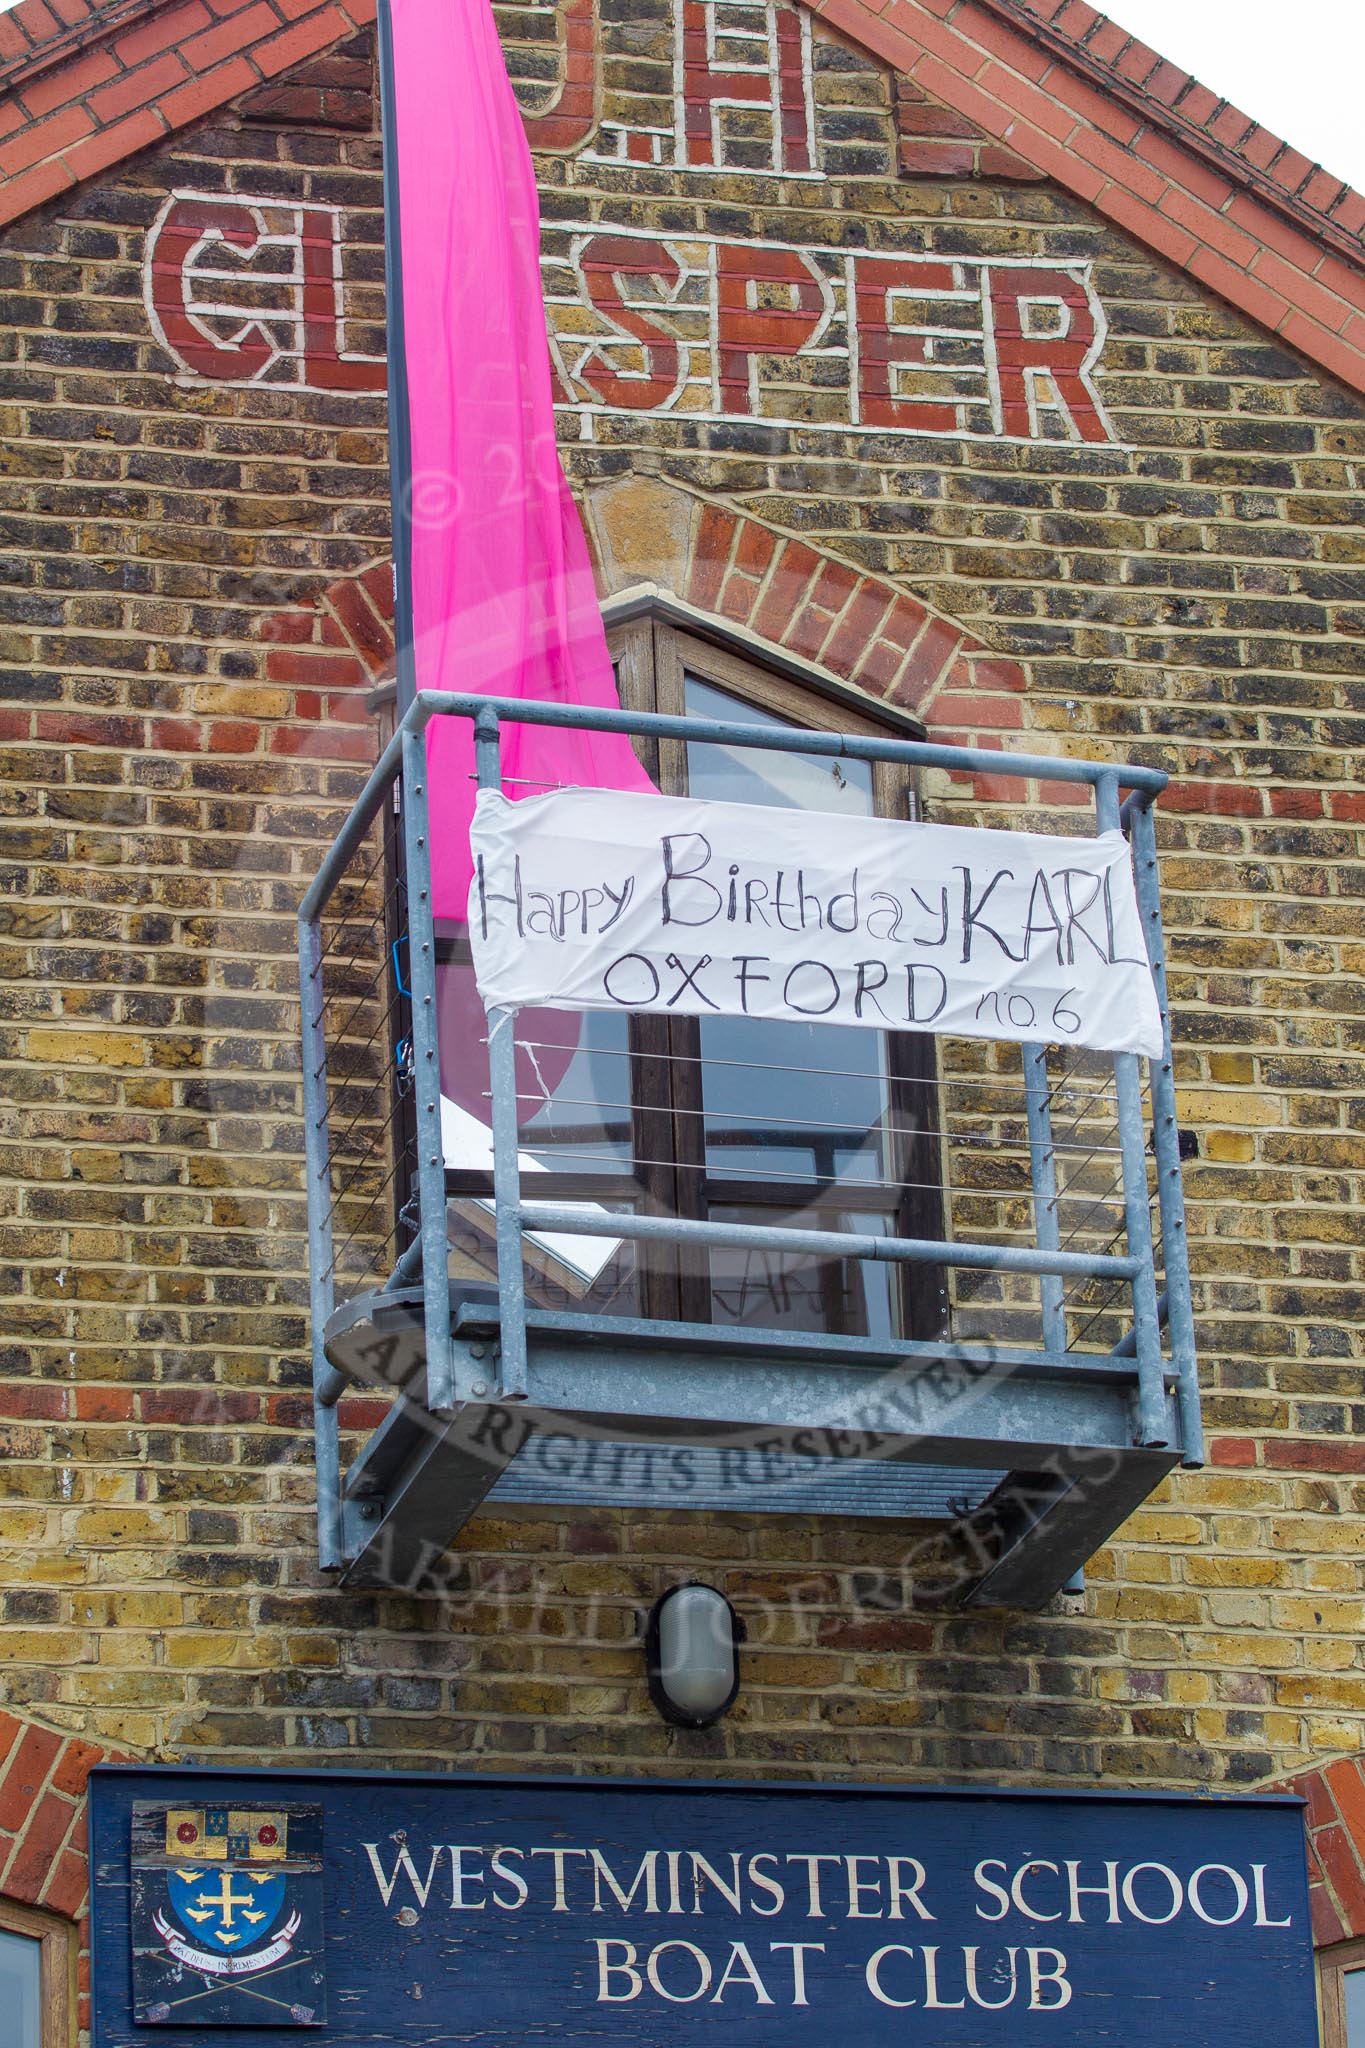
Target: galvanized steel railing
402	770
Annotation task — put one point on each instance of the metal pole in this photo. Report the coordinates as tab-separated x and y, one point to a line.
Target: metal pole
321	1291
431	1173
576	1221
1166	1138
400	424
1152	1424
782	739
1047	1222
502	1081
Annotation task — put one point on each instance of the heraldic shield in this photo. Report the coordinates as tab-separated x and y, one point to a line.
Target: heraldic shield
227	1916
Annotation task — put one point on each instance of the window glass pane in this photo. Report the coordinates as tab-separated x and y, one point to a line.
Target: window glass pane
786	1100
573	1082
739	775
793	1291
20	1974
1354	1987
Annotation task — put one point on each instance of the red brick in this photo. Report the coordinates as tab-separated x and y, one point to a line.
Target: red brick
68	82
203	1407
322	671
1311	1787
378	583
1314	1454
926	119
1342	1869
233	736
34	1404
371	635
230	37
1232	127
1197	104
1302	293
858	628
114	144
896	1632
995	161
360	1412
1183	168
793	575
1328	1925
165	31
1296	803
1349	212
10	1730
313	33
104	1404
834	586
1005	712
67	1886
993	674
738	598
1232	1450
203	95
322	746
934	648
140	88
1347	1787
1344	359
177	735
1244	291
14	44
25	1771
39	1844
90	729
937	159
714	542
295	628
1291	169
44	139
755	548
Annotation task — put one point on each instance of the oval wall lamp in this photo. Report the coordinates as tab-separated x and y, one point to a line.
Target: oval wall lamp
692	1640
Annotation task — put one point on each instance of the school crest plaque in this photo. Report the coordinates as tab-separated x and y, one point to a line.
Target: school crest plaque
227	1916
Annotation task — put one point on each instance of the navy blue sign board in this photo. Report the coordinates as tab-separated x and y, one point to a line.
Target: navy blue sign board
597	1914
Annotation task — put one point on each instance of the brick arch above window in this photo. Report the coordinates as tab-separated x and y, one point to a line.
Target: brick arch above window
858	627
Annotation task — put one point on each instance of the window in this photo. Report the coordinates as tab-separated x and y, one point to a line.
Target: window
731	1119
37	1959
1341	1977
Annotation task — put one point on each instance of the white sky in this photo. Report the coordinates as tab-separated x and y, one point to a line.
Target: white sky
1297	68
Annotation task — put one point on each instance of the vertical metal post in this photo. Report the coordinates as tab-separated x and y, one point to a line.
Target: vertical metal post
1047	1224
1166	1139
400	434
321	1290
502	1077
1152	1424
431	1169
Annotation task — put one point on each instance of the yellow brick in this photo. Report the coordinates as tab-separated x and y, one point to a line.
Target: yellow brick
98	1048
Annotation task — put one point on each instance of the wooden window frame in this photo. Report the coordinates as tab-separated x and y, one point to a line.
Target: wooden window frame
654	654
56	1968
1333	1966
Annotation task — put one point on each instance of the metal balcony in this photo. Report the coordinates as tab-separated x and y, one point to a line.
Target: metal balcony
1040	1390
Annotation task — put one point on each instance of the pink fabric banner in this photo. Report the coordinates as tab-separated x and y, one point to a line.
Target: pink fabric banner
502	588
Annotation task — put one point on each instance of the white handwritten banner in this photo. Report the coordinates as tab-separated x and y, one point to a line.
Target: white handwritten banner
604	901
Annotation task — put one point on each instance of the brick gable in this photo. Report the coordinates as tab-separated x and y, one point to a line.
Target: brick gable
1044	89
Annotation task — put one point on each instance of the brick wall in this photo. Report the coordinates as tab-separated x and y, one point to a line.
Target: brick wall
200	568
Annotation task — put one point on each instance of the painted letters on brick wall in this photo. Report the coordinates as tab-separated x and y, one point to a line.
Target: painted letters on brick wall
697	325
